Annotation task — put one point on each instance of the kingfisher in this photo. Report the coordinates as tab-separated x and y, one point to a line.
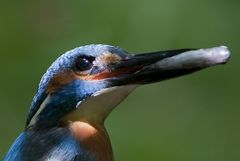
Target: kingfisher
81	88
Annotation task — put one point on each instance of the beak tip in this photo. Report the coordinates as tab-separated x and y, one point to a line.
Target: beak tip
219	55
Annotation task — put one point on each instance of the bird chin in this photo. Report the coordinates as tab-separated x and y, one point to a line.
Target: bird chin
98	106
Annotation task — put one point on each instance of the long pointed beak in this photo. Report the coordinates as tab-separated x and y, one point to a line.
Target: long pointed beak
158	66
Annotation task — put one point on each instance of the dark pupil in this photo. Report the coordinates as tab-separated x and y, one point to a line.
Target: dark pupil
83	64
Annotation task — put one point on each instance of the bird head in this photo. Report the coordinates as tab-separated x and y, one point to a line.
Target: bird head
86	83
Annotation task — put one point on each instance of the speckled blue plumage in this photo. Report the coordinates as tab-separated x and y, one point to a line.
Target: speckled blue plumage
49	144
63	62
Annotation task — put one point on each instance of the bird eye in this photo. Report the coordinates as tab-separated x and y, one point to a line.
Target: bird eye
84	63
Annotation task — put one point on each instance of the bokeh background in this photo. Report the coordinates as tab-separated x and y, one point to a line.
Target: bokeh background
192	118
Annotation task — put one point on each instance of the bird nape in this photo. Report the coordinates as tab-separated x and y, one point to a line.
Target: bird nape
66	118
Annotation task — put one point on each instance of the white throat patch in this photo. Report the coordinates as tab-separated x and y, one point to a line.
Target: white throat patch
100	104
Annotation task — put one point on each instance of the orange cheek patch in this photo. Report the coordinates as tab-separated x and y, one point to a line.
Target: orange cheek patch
65	77
60	80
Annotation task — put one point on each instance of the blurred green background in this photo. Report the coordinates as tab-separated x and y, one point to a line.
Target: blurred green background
192	118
